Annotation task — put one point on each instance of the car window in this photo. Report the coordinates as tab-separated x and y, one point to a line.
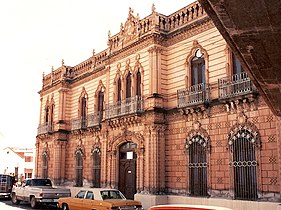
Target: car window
90	195
81	194
27	183
40	182
111	194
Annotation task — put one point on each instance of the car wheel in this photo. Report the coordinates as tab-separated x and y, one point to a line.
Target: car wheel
33	202
64	206
14	199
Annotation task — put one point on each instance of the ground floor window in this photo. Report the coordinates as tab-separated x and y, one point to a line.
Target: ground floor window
197	168
244	166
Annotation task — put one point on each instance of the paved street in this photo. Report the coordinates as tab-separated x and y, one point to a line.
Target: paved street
7	205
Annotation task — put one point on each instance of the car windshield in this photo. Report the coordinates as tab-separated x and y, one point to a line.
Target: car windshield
111	194
41	182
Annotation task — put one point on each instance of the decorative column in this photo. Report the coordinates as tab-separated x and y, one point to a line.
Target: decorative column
113	176
36	173
155	69
105	164
155	154
278	139
59	159
62	107
140	168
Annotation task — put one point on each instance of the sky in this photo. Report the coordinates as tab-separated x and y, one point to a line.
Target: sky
37	34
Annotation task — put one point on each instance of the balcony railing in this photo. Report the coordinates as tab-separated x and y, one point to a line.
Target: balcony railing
238	84
131	105
79	123
194	95
94	119
45	128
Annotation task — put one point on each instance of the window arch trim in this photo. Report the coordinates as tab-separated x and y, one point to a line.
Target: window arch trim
253	136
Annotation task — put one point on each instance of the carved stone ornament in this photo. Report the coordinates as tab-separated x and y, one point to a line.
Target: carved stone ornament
241	118
130	29
196	125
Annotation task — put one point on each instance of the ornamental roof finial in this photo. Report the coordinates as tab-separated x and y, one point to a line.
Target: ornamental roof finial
153	9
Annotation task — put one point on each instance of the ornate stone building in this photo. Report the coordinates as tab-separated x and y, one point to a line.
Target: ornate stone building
166	114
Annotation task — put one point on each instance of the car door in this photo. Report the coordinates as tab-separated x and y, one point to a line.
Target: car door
87	202
77	202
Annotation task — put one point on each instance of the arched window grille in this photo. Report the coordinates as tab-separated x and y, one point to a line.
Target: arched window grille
197	167
45	165
79	168
96	155
244	165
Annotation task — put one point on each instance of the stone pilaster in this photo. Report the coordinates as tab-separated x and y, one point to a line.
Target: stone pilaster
155	69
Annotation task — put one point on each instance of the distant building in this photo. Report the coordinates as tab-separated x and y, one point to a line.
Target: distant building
166	114
19	162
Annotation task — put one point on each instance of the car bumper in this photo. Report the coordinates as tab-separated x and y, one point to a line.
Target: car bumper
6	195
47	200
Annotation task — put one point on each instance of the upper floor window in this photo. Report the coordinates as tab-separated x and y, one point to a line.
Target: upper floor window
119	89
100	101
83	107
138	84
236	65
128	85
198	68
47	115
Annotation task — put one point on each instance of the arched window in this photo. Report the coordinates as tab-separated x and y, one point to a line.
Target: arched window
44	165
128	85
138	84
47	115
79	168
236	65
119	90
51	124
198	68
96	155
244	165
100	103
197	167
83	112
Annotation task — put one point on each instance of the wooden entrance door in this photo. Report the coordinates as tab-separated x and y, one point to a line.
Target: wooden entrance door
127	170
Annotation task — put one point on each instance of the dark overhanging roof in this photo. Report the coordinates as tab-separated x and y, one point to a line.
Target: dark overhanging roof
252	29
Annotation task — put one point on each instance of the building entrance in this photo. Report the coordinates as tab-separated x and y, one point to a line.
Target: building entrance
127	169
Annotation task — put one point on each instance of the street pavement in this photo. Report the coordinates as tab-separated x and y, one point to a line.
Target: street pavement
7	205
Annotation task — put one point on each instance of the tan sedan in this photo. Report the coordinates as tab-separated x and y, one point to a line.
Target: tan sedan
99	199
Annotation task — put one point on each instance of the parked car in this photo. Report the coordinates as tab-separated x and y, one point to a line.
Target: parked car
186	207
99	199
37	191
6	185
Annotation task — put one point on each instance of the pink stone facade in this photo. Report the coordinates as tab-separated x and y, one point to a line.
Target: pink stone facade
143	89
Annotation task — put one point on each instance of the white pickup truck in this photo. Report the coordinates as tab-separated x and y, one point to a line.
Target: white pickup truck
37	191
